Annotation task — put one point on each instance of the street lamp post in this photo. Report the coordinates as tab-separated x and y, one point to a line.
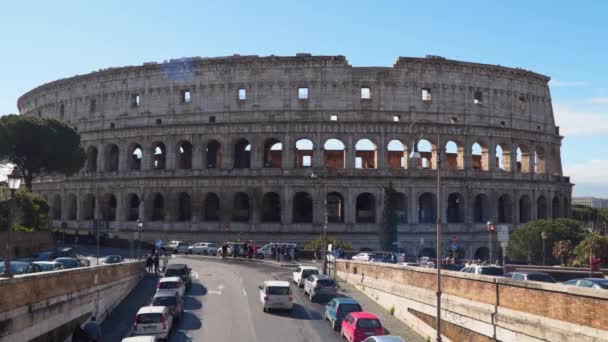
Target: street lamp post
543	235
13	184
491	228
315	176
140	227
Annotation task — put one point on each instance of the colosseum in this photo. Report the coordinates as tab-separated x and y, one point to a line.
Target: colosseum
281	148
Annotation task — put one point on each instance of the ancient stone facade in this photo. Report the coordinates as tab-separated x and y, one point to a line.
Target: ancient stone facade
265	147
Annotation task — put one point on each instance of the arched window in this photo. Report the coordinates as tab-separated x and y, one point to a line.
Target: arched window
479	157
159	156
88	207
212	207
555	208
335	207
271	207
242	154
366	208
427	208
455	208
241	207
401	207
454	156
524	209
72	207
57	207
158	208
505	209
397	155
304	153
302	208
273	154
541	208
365	154
184	207
133	209
111	158
539	160
135	157
91	159
334	154
503	160
184	155
523	159
481	210
427	155
214	155
109	208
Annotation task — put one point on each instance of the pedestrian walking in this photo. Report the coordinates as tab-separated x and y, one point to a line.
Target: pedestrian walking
273	251
235	250
156	263
224	250
149	263
93	330
255	250
165	261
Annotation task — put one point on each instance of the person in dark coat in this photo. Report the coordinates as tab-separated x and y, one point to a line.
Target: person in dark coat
93	329
156	261
149	264
224	250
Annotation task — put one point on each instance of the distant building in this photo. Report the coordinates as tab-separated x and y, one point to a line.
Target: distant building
592	202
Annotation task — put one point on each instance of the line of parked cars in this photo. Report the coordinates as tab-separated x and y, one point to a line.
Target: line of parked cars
60	259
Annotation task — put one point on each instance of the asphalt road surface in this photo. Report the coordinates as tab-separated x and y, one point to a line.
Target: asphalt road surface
223	305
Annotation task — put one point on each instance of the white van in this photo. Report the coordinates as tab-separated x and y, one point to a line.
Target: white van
266	251
276	294
153	321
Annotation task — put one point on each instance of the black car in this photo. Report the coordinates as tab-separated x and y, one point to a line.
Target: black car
180	270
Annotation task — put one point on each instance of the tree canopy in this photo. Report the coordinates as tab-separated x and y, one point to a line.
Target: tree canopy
31	210
336	244
594	242
36	145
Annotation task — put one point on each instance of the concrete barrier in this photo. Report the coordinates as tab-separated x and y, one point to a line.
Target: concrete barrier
482	308
48	306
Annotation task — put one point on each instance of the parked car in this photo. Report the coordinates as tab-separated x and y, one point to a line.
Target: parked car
46	256
67	252
204	248
276	294
112	259
594	283
318	285
533	276
452	267
175	303
171	286
266	250
140	339
21	267
46	266
174	247
413	264
70	262
357	326
365	256
486	270
303	272
385	338
180	270
338	308
154	321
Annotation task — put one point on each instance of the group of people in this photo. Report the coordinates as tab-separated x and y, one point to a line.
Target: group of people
249	249
281	252
153	262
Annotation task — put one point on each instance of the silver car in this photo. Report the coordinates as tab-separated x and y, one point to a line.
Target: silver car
318	285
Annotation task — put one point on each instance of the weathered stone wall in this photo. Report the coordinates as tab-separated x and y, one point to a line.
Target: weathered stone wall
483	308
26	244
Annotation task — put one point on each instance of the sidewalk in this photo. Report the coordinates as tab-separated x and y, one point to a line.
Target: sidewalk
390	322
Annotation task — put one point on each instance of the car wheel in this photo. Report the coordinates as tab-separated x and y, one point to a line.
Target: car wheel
205	253
260	256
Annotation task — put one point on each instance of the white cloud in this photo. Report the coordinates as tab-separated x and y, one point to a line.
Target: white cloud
590	172
575	122
4	170
564	84
599	100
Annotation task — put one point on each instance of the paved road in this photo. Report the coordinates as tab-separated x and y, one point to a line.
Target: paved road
223	305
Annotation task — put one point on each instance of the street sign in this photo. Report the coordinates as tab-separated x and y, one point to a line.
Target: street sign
329	247
504	244
503	233
453	246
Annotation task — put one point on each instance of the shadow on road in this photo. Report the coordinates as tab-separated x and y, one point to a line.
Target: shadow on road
189	322
179	336
299	312
197	290
192	303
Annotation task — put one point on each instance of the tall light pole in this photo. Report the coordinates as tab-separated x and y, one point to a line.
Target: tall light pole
491	228
13	184
313	175
140	227
543	236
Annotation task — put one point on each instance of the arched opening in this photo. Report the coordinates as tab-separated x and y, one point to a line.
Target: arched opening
455	208
91	159
524	209
72	207
302	208
397	155
304	153
401	207
482	253
135	158
505	206
214	154
503	160
88	207
57	207
555	209
160	156
539	160
427	155
554	161
523	159
481	209
158	208
335	207
111	158
365	154
271	207
273	153
366	208
241	207
541	208
242	154
334	153
212	207
184	155
454	156
109	212
479	157
426	208
184	207
133	209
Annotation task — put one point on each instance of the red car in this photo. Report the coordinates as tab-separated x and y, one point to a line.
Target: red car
357	326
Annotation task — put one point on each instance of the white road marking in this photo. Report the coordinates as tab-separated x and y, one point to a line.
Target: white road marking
219	291
244	292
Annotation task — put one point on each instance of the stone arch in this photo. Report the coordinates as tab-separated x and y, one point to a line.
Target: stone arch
365	208
397	154
273	153
455	208
427	208
481	208
524	209
540	160
304	152
454	155
541	208
72	207
401	207
242	154
523	158
554	160
184	207
366	154
241	207
428	154
503	158
110	204
334	154
135	157
214	154
335	207
556	211
91	159
88	207
271	207
57	207
480	157
505	209
159	156
184	155
158	207
302	207
212	207
133	204
111	154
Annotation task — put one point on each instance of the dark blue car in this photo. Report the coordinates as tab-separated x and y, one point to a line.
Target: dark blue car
337	308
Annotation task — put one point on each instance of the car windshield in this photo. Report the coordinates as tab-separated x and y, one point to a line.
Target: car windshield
174	272
16	267
326	282
168	285
164	301
602	284
368	324
346	308
278	290
46	267
541	277
496	271
308	273
212	245
149	318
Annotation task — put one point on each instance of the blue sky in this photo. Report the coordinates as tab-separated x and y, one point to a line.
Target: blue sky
42	40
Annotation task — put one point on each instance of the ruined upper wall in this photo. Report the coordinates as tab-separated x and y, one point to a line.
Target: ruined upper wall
514	98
